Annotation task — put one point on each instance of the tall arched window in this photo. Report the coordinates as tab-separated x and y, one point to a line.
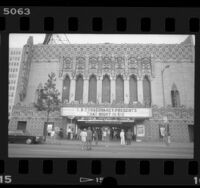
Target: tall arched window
93	89
119	89
106	89
147	91
66	89
133	88
79	88
175	96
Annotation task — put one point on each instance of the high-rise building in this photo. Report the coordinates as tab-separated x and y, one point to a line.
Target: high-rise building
14	64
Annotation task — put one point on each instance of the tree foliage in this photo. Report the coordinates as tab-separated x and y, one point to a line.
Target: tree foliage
48	96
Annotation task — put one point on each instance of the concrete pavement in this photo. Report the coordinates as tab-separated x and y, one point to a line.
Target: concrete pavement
72	149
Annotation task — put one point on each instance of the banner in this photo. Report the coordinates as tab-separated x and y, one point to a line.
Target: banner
106	112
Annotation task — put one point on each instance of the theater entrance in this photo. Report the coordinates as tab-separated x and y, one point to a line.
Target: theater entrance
112	129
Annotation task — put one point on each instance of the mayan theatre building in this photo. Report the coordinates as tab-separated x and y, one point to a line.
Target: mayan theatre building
118	86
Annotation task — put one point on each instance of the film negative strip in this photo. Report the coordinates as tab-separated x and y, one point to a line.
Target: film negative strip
99	95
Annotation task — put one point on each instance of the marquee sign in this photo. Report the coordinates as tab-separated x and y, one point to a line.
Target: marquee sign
106	112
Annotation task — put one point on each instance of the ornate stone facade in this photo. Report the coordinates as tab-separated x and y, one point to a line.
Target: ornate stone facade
124	60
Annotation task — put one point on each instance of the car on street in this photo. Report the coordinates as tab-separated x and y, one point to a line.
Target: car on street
19	136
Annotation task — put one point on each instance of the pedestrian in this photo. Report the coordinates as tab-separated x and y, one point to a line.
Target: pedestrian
95	134
129	136
83	135
89	139
104	135
122	136
69	133
115	135
167	131
72	134
162	133
78	134
107	137
168	134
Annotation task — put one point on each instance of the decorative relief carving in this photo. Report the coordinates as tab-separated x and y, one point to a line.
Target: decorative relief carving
80	63
93	63
106	63
133	65
67	63
112	65
119	65
146	66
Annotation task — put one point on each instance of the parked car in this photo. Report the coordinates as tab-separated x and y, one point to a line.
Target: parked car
18	136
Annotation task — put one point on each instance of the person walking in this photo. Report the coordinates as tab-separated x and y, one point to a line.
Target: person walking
104	134
129	136
167	131
122	136
89	139
83	135
115	135
95	134
69	133
78	134
162	133
168	138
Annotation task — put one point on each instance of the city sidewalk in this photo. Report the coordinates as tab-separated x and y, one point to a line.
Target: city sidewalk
117	143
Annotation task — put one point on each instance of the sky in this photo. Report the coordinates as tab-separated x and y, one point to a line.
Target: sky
19	40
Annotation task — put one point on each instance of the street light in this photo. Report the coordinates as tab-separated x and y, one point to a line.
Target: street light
167	66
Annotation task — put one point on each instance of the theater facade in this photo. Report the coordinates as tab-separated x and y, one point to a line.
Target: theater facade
129	86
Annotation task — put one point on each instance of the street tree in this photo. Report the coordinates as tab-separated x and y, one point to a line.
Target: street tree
48	97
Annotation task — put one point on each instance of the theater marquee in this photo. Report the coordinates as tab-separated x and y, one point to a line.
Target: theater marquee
106	112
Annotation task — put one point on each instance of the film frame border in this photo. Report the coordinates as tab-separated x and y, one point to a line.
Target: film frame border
146	171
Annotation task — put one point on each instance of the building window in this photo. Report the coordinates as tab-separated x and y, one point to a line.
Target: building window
79	88
21	125
119	89
146	91
66	89
92	89
133	88
175	97
106	89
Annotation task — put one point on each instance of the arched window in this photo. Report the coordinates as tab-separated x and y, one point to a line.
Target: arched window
93	89
79	88
133	88
66	89
147	91
175	96
119	89
106	89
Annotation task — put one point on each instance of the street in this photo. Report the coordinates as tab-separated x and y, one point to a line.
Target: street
72	149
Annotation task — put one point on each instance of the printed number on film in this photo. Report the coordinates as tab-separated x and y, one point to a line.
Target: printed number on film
16	11
196	180
6	179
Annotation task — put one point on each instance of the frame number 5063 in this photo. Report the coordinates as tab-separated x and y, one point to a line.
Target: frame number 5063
16	11
5	179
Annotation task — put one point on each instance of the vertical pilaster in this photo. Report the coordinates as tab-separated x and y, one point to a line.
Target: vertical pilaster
113	89
140	89
72	89
126	91
85	90
99	90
